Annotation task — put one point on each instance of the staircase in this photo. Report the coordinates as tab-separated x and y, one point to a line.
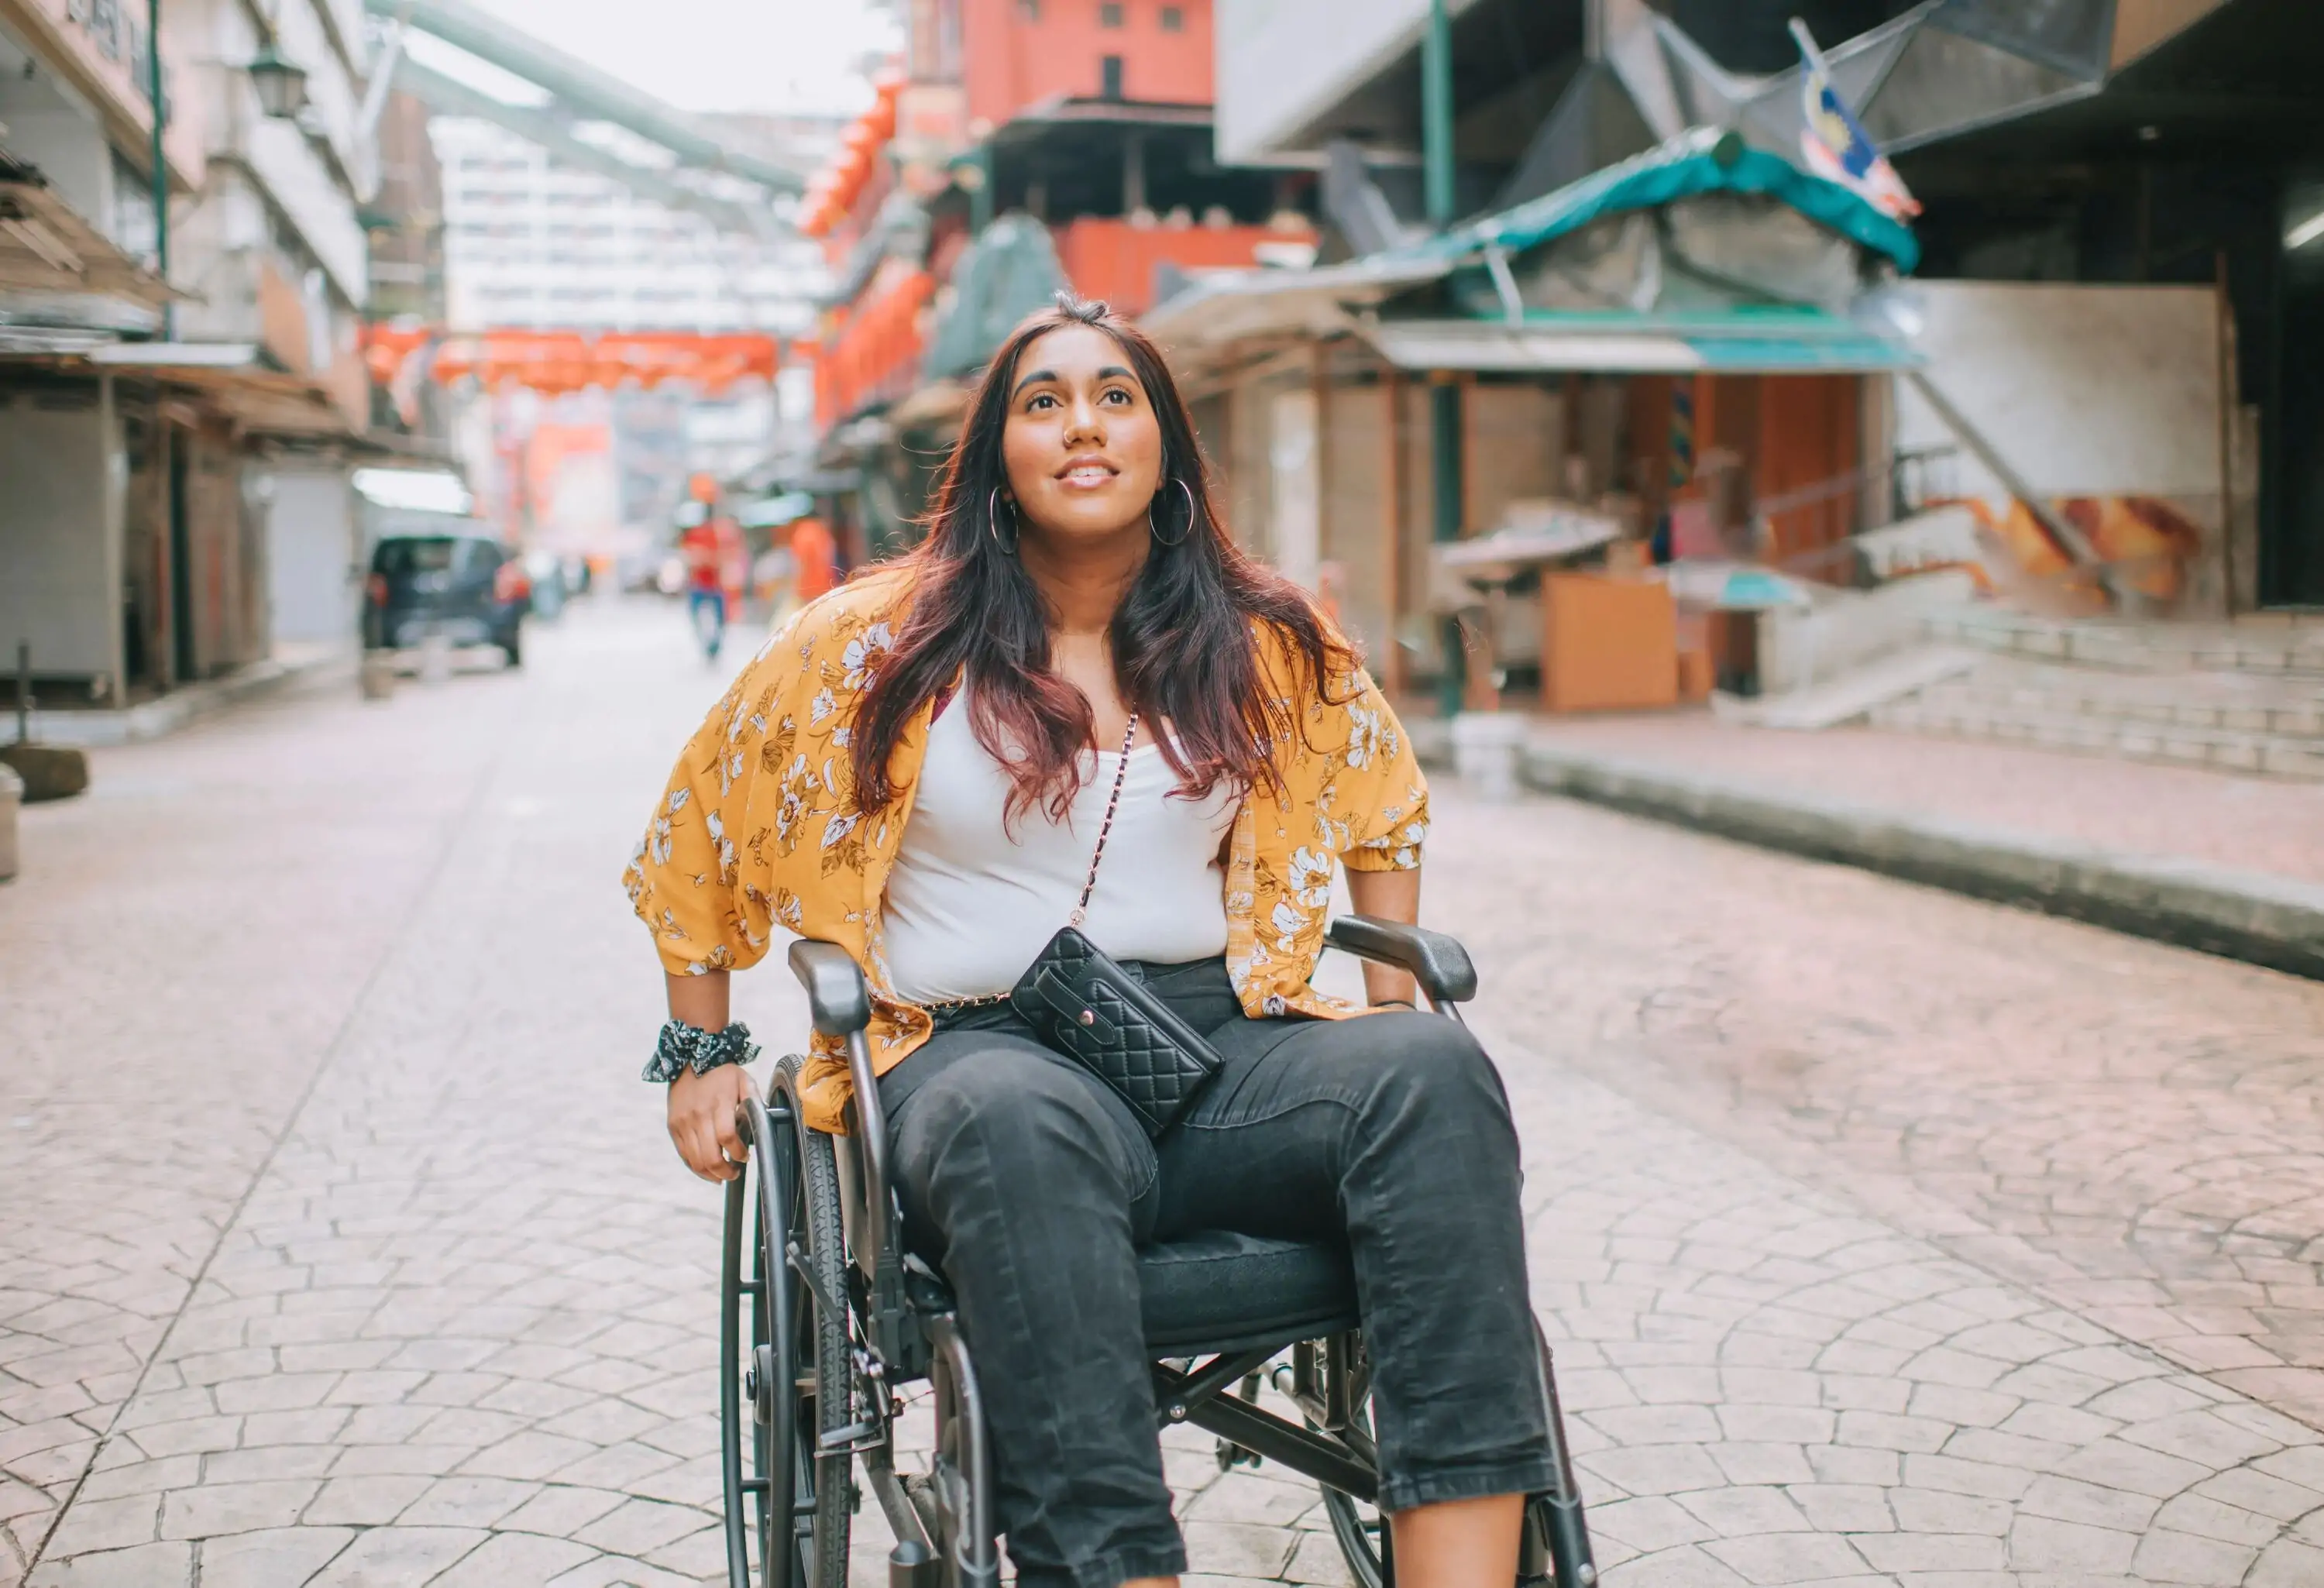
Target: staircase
2246	698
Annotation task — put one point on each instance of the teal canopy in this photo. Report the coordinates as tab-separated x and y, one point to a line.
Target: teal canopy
1703	161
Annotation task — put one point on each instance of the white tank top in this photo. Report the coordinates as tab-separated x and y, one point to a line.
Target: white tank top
969	903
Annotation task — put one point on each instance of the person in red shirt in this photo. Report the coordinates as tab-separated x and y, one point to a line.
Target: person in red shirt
712	547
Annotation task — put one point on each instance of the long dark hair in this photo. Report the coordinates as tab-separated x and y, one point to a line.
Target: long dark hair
1183	640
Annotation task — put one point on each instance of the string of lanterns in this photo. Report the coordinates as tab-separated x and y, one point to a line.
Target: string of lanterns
833	192
553	362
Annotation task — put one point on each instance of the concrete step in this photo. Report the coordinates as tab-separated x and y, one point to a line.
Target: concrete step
2273	708
1849	695
2272	648
1963	714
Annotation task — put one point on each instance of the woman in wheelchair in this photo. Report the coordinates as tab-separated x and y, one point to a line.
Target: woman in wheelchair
1078	701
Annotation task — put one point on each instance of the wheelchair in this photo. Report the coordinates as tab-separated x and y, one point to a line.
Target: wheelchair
826	1316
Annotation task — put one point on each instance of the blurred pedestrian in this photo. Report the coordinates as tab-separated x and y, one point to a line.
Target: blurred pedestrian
815	559
711	549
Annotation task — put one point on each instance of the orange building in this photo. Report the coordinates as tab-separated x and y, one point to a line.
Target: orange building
1091	118
1016	54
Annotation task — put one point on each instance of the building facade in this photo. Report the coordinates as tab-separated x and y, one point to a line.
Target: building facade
170	447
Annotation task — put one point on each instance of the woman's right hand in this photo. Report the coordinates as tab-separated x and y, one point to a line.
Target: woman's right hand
701	1120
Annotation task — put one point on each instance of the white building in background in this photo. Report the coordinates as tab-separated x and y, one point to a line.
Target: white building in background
528	242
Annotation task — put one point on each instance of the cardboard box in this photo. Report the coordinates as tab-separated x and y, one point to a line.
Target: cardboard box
1608	644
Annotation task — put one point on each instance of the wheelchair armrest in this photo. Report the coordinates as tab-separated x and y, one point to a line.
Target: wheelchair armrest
841	1006
1437	962
836	997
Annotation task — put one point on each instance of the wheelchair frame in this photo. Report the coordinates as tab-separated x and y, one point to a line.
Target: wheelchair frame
898	1319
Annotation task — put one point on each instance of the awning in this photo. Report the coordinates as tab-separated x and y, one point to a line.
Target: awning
1773	340
54	341
1067	108
1230	306
412	490
1703	161
45	246
234	376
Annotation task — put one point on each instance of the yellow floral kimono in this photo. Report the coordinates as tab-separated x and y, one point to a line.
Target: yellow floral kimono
758	830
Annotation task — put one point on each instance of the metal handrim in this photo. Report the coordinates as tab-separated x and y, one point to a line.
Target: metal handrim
765	1307
815	1383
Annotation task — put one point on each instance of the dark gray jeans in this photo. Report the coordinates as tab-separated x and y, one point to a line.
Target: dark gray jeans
1031	1184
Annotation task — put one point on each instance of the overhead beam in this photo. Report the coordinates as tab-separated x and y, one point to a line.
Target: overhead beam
454	98
589	91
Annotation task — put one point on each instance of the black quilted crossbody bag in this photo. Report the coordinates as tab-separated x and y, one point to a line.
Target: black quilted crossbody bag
1087	1007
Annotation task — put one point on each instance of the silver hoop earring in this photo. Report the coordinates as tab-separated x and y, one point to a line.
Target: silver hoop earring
993	521
1156	529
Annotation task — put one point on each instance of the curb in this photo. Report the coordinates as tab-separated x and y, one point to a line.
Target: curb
153	719
2277	922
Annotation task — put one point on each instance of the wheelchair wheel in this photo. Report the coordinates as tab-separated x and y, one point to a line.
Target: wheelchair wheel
785	1357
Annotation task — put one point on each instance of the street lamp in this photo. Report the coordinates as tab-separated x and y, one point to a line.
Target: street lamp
281	82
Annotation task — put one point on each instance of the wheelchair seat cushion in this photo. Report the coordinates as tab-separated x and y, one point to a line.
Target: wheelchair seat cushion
1221	1291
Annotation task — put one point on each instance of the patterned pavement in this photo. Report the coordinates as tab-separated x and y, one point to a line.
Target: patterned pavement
1886	1237
2267	825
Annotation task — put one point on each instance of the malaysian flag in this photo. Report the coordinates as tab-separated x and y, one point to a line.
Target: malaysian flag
1834	144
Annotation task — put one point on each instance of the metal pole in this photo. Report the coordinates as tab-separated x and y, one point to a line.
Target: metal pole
160	162
1448	489
1436	114
980	197
23	691
2224	329
1445	417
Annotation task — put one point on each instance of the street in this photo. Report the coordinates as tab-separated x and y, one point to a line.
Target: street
1883	1236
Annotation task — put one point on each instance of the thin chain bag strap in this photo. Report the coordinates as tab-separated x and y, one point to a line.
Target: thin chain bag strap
1085	1006
1104	827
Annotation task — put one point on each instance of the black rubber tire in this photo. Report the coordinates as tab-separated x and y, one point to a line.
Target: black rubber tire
829	1341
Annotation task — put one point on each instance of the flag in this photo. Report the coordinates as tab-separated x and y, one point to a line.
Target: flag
1834	144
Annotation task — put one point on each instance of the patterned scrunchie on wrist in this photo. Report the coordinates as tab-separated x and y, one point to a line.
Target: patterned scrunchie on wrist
684	1048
